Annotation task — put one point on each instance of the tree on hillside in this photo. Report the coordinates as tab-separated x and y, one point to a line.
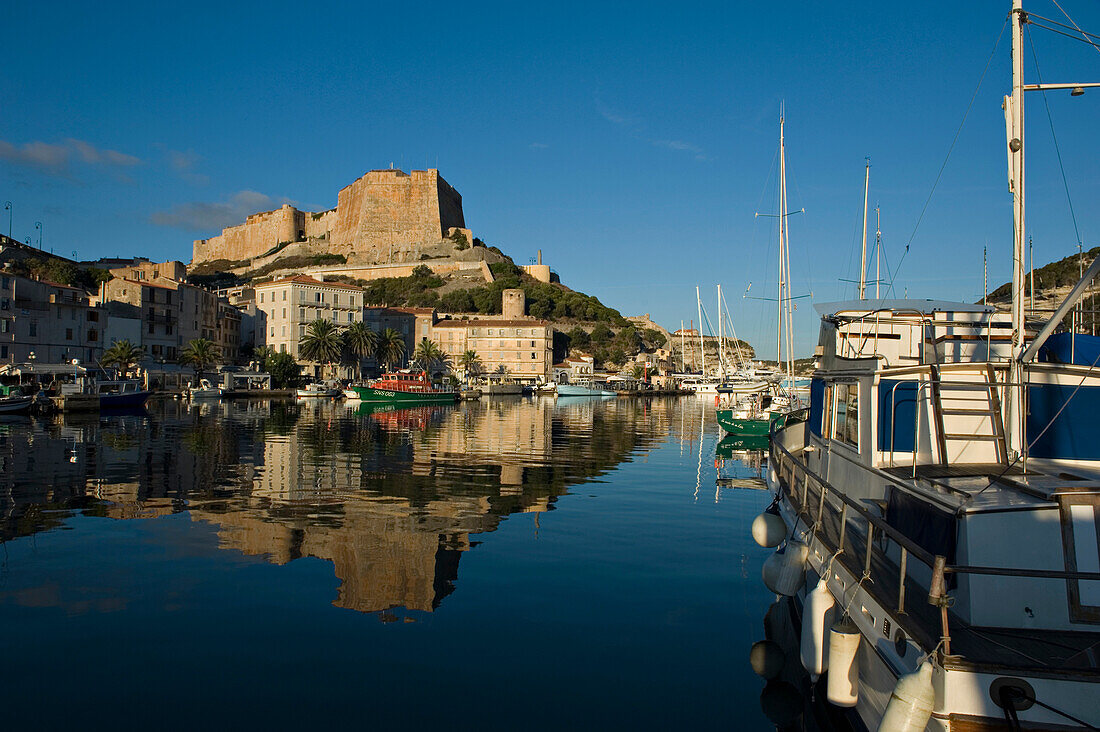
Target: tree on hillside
359	342
123	355
200	354
322	343
391	348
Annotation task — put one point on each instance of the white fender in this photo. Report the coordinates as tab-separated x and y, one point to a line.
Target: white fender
911	704
769	529
817	615
784	571
843	685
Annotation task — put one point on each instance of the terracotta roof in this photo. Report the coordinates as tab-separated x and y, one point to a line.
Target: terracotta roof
307	280
58	284
490	323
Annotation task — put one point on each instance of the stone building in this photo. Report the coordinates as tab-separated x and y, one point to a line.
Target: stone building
524	347
380	217
171	312
292	303
56	323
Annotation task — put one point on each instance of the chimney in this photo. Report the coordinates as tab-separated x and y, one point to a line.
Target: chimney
540	256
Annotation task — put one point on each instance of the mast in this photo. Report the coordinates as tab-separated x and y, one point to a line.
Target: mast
721	351
702	350
985	275
878	250
863	249
782	246
1014	127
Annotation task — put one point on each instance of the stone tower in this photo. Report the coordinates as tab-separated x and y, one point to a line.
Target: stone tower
513	304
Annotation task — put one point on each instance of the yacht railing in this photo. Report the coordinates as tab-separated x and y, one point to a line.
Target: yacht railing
827	512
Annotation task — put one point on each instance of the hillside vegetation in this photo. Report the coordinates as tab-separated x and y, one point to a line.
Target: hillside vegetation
1063	273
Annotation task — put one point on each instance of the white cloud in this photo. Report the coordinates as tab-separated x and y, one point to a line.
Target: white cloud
216	215
57	158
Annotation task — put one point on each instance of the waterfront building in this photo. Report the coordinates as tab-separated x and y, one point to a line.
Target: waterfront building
290	304
574	368
55	322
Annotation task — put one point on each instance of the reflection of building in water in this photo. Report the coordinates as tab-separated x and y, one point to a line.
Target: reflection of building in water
391	506
508	433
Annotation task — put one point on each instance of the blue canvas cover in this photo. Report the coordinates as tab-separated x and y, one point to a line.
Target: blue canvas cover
1083	350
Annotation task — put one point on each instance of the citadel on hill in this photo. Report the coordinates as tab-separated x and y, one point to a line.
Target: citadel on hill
394	253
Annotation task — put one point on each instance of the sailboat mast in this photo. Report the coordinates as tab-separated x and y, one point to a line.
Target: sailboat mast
782	244
721	351
878	250
702	350
1014	119
863	248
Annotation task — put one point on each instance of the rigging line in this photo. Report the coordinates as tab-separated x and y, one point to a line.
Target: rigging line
1070	36
1071	20
950	149
1057	150
1063	25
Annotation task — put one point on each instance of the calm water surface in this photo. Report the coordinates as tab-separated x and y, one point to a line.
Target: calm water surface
496	565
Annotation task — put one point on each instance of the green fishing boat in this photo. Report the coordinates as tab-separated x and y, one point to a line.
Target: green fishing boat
405	388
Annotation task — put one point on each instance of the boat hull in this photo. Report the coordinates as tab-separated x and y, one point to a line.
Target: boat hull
16	405
394	396
121	401
572	390
748	427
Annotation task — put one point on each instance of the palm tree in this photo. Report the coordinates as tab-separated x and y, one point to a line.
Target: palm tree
123	355
428	354
470	363
199	353
322	342
359	342
391	348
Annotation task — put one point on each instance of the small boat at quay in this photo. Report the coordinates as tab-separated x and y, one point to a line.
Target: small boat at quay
351	394
583	390
756	414
120	393
205	390
13	401
318	390
936	506
406	388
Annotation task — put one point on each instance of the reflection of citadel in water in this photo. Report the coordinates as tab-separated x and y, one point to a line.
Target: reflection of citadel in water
390	498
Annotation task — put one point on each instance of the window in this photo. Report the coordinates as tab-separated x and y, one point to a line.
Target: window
284	295
335	299
301	331
5	326
318	297
93	316
282	347
273	331
5	304
59	313
351	317
301	313
261	298
168	330
284	313
351	300
6	283
68	334
93	335
846	418
156	349
335	315
3	351
33	328
532	356
151	326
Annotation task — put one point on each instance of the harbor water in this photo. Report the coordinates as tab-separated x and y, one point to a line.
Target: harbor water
503	564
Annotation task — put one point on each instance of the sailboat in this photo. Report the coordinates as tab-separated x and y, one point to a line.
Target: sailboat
755	413
936	512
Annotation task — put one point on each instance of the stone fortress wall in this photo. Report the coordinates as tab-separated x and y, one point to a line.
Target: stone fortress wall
384	216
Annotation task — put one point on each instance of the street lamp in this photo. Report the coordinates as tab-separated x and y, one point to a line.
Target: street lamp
11	213
38	225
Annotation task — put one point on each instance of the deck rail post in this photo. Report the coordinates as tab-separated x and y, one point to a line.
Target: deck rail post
901	579
937	595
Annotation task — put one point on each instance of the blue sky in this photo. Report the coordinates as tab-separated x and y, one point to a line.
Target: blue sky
631	142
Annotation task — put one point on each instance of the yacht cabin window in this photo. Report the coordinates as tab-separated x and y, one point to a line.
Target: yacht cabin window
846	414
